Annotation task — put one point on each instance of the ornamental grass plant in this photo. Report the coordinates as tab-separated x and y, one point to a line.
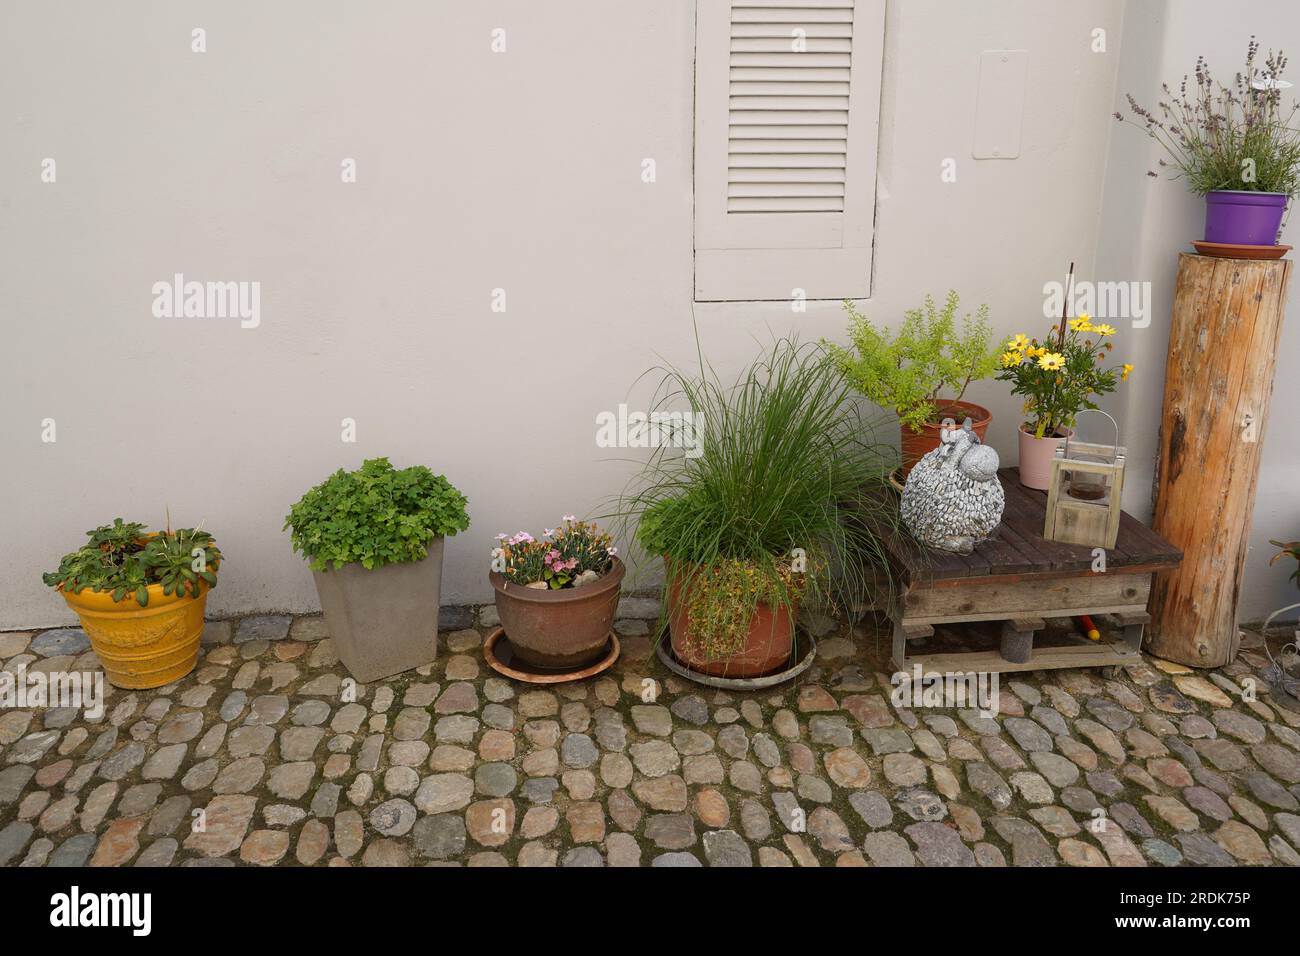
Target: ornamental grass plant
781	505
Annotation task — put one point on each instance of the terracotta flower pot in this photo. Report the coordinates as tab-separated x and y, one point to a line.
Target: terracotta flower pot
915	445
1036	456
565	629
767	647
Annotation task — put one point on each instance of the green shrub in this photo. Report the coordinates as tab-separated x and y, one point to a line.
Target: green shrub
124	559
375	516
905	374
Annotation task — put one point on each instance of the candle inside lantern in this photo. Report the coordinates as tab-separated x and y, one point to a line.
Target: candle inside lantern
1087	485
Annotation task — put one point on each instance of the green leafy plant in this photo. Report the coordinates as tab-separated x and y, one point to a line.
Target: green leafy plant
1289	549
565	557
928	355
1059	377
124	559
772	509
375	516
1222	136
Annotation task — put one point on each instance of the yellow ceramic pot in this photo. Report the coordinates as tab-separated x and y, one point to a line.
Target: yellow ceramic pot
142	646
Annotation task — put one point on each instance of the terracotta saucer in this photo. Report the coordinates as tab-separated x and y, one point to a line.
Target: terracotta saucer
663	648
1229	250
496	650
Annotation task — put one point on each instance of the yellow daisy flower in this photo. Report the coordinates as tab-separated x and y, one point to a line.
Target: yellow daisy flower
1036	353
1019	343
1123	374
1011	359
1081	324
1052	361
1104	329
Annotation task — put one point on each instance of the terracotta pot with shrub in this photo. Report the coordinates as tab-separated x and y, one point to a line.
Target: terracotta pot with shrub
374	538
556	597
751	527
911	371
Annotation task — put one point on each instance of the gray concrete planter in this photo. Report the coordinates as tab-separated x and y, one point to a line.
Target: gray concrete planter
383	621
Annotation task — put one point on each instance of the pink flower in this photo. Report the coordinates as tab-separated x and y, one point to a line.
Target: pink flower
502	536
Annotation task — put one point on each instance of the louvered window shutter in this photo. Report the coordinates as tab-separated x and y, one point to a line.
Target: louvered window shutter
787	102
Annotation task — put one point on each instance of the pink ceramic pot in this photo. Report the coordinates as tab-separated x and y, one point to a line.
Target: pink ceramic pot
1036	456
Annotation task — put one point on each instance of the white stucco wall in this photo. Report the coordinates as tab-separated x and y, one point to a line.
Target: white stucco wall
476	171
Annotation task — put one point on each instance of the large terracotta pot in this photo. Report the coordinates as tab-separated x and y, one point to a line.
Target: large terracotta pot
142	647
565	629
768	645
915	445
1036	456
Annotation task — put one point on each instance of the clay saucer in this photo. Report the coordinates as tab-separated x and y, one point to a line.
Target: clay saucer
663	648
497	652
1231	250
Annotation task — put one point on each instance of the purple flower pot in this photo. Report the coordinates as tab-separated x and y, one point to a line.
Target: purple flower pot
1243	218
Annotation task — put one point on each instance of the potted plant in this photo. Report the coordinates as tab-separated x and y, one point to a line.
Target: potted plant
1233	144
1058	378
556	597
1288	549
908	373
766	514
140	597
374	538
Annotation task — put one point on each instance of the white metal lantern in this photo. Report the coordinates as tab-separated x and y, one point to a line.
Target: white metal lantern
1084	492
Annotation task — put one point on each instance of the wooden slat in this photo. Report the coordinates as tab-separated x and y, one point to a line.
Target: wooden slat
787	74
1024	625
801	60
785	44
785	189
793	17
1092	654
741	147
786	174
810	28
806	101
996	597
785	204
794	87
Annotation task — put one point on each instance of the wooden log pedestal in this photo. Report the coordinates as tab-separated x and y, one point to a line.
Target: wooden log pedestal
1227	320
1017	580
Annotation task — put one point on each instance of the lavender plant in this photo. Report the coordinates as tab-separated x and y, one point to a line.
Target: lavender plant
1234	136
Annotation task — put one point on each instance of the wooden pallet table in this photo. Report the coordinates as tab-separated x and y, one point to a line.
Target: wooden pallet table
1020	579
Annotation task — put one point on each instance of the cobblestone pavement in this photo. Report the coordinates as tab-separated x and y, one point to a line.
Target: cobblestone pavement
452	764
